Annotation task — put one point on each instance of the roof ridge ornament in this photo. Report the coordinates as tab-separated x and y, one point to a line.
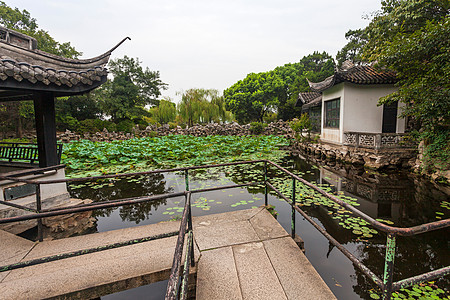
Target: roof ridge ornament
346	66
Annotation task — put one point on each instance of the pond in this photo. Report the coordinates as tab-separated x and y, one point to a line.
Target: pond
392	197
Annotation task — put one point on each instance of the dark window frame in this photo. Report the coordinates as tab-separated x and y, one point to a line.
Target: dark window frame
332	113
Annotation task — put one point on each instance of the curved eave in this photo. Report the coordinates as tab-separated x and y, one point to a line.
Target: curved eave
316	102
323	85
12	90
47	60
89	61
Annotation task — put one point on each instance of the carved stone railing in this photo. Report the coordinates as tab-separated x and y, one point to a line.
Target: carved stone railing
378	140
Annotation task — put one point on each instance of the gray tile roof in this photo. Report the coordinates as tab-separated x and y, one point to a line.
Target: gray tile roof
356	75
307	97
25	68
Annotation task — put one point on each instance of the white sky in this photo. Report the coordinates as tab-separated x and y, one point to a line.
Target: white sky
202	43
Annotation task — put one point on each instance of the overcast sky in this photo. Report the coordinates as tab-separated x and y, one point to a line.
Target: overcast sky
202	44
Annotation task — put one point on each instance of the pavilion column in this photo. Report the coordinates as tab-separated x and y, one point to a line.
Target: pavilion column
44	107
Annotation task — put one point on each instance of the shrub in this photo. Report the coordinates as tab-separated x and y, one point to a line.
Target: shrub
301	125
270	117
125	126
87	126
172	125
257	127
152	134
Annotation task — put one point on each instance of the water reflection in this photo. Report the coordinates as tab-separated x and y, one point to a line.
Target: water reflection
403	199
128	187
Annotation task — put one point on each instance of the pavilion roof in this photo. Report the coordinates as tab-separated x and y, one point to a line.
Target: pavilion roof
24	69
355	74
307	97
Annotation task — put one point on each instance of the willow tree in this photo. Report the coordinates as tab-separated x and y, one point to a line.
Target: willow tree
202	106
165	112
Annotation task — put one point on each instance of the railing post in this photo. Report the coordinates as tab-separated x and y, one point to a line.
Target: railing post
266	190
389	267
377	141
38	208
357	139
293	209
188	198
186	179
190	228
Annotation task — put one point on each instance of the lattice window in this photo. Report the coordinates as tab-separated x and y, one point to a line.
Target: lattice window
367	140
389	140
332	113
364	191
350	138
388	195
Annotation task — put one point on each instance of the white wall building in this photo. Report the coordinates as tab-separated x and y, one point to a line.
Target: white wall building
350	104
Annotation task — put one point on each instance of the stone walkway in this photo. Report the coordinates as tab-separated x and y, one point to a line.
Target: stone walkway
240	255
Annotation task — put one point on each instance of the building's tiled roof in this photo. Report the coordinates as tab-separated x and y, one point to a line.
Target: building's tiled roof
20	71
356	75
23	67
307	97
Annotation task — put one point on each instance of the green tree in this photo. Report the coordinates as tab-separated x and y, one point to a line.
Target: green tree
276	91
21	113
352	51
411	38
400	17
254	96
131	89
23	22
165	112
202	106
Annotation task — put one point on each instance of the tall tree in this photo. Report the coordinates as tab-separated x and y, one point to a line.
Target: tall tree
202	106
131	89
23	22
165	112
411	38
352	51
276	91
254	96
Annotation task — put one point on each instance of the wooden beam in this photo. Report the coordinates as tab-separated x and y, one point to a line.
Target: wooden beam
44	107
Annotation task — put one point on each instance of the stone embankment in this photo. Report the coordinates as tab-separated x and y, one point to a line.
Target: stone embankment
274	128
369	158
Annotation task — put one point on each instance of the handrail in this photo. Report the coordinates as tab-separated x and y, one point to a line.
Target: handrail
172	286
387	284
400	231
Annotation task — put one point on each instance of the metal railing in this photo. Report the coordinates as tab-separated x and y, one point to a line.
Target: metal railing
23	152
386	284
179	290
174	289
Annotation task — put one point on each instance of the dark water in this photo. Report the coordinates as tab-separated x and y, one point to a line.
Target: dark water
394	197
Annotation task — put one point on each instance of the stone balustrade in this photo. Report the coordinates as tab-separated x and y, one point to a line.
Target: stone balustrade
378	140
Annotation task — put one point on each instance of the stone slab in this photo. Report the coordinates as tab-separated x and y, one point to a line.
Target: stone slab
210	235
217	276
266	226
297	276
228	217
13	249
257	278
86	275
93	240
